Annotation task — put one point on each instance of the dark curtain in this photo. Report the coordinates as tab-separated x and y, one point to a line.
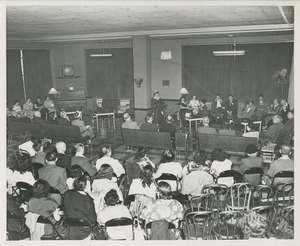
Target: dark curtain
14	83
246	77
37	72
110	77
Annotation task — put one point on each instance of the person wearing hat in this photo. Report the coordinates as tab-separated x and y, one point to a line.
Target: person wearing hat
270	135
157	108
86	131
251	160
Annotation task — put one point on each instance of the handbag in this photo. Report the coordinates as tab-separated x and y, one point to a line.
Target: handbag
99	233
138	232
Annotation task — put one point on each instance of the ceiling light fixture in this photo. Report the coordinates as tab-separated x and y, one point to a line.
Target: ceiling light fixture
233	52
102	53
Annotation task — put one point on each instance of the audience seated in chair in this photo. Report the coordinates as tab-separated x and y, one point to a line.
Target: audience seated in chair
43	204
164	208
284	163
79	205
85	163
270	135
206	129
40	154
128	123
102	184
251	160
167	165
148	125
145	185
167	126
105	158
220	164
62	159
86	131
27	142
76	171
196	175
114	210
64	120
217	108
54	175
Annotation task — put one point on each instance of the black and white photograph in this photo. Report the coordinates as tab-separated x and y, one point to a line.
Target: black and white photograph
149	120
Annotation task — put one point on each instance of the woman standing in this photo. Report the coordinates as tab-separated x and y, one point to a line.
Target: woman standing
194	103
157	108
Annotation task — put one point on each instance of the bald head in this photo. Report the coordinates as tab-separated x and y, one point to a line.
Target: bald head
285	150
205	121
126	117
61	147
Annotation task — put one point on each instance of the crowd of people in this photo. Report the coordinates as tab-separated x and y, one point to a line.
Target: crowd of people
70	185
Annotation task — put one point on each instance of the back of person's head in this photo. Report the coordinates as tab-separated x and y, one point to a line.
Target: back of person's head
75	171
277	119
285	149
24	137
215	154
251	150
79	147
61	147
126	116
148	118
63	114
41	188
222	156
205	120
105	172
51	156
200	157
147	175
168	156
37	114
169	119
49	147
105	150
141	153
24	163
111	198
164	190
37	146
80	183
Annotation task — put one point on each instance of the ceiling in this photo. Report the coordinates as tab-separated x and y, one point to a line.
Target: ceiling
74	23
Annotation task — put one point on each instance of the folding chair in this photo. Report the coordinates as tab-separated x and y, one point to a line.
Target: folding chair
22	191
55	234
170	179
72	222
253	175
35	168
119	229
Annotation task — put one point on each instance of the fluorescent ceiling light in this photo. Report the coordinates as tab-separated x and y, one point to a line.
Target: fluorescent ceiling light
229	53
101	55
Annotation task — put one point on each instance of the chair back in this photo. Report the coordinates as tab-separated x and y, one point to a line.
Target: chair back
226	227
262	195
170	179
224	176
23	191
35	168
55	234
283	177
284	195
198	225
253	175
120	229
203	202
220	193
239	197
76	222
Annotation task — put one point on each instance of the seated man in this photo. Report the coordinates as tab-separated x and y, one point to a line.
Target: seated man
248	112
27	142
84	130
217	108
129	124
271	133
40	154
261	109
252	160
86	164
54	175
231	108
62	159
284	163
148	125
37	118
63	119
206	129
168	126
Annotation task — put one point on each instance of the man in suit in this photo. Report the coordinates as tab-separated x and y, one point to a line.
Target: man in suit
128	123
84	130
63	119
54	175
231	107
148	126
206	129
86	164
62	159
167	126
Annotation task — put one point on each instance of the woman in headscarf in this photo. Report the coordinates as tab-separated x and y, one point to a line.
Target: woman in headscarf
102	184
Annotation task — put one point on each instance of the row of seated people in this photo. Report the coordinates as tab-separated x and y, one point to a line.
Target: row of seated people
78	202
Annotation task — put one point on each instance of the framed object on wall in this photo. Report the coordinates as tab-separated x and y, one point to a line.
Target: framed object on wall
68	71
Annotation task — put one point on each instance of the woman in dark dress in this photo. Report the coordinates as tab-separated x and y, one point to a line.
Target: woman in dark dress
157	108
79	205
